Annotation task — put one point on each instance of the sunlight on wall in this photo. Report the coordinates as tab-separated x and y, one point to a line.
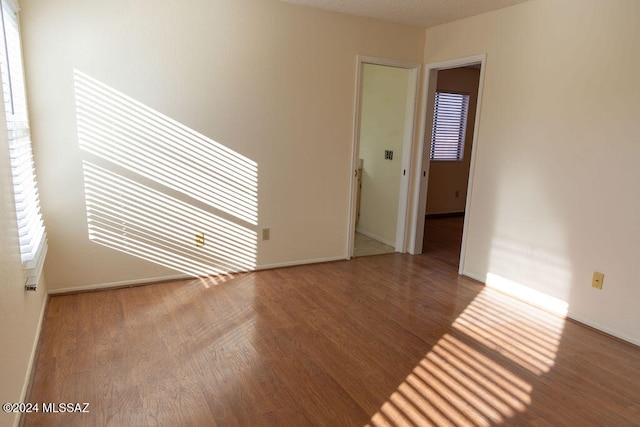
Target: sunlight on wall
543	278
529	249
140	221
528	294
152	184
119	129
473	376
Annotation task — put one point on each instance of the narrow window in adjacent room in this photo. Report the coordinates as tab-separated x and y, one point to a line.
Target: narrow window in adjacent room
33	243
449	126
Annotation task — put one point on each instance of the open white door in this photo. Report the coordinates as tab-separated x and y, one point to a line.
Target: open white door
397	236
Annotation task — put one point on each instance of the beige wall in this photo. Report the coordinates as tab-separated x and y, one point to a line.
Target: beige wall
20	311
385	94
272	82
448	180
556	178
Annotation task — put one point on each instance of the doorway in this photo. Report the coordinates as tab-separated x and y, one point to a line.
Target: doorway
445	186
457	91
383	139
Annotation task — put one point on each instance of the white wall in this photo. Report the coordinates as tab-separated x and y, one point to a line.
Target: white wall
385	91
273	82
20	311
555	191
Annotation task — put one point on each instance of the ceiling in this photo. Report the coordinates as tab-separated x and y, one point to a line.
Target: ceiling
421	13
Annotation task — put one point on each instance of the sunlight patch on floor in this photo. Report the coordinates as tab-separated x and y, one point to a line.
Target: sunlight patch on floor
474	375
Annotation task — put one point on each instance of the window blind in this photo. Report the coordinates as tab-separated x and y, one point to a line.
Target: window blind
32	236
449	126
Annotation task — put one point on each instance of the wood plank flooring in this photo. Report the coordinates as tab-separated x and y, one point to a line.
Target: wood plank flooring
443	238
394	340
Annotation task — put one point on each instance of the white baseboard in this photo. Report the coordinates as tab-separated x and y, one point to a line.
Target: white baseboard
603	329
300	262
32	357
121	284
125	283
569	315
473	276
374	237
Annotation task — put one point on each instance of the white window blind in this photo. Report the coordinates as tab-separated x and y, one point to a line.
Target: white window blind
33	243
449	126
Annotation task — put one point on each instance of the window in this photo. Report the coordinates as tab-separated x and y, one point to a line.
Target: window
33	243
449	126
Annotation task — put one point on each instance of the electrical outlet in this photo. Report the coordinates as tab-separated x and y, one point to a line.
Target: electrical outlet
598	279
200	239
265	234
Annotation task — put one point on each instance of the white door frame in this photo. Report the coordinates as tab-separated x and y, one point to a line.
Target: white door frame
422	171
407	156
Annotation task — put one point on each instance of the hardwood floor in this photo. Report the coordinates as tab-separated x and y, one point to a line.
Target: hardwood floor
393	339
443	238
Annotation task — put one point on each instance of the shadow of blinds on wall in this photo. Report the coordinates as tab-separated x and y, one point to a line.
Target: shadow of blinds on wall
33	243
